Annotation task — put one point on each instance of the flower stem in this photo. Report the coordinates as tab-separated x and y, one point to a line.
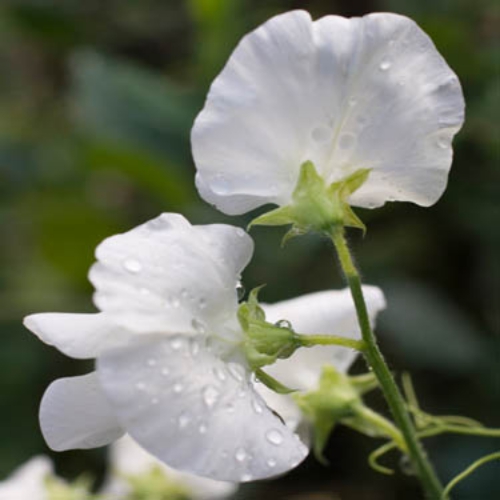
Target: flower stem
312	340
428	478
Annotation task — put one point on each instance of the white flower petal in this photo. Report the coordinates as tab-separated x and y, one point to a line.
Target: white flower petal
195	412
27	481
370	92
329	312
74	413
164	274
76	335
127	458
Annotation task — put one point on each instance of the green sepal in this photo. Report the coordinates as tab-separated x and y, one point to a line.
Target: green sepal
156	485
272	383
264	342
79	489
316	206
365	383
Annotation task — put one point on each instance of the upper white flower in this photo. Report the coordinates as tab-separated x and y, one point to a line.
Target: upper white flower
346	94
128	459
170	368
28	481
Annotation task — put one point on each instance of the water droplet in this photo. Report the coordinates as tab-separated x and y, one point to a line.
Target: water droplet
176	344
175	302
198	326
246	477
202	429
240	455
283	323
321	134
183	421
151	362
271	463
346	141
236	371
141	386
274	436
257	406
184	293
165	372
240	232
240	290
230	408
155	401
385	65
178	388
219	373
401	83
219	184
132	266
202	303
194	348
144	291
210	395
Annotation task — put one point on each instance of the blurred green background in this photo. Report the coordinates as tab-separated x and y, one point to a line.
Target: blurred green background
96	103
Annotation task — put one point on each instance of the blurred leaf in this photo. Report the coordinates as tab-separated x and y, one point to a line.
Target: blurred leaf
429	330
120	102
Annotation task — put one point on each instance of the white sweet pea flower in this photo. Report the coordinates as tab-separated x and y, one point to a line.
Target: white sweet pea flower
329	312
28	481
170	368
129	460
346	94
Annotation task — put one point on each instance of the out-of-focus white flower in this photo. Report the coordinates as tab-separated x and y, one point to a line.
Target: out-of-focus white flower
346	94
170	368
129	460
28	481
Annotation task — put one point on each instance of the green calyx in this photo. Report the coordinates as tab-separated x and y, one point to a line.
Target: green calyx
156	485
265	342
338	400
317	206
57	489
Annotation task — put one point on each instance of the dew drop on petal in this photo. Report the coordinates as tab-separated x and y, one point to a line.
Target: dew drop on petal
183	421
176	344
230	408
210	395
442	143
155	401
274	436
165	372
219	184
257	406
132	266
178	388
240	455
140	386
321	134
202	429
240	232
202	303
346	141
271	463
246	477
240	290
198	326
219	373
385	65
237	371
151	362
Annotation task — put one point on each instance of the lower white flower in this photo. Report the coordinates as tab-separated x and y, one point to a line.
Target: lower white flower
28	481
129	460
170	371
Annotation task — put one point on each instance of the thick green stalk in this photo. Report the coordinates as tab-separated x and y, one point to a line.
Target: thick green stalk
375	359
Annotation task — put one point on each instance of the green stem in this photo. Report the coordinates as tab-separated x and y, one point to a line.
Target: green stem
312	340
375	360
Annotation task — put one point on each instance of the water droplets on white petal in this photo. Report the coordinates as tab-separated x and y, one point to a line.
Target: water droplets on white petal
219	184
198	326
271	463
385	65
347	141
165	371
184	420
283	323
240	232
274	436
210	395
176	344
240	290
321	134
133	266
240	455
178	388
140	386
151	362
237	371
